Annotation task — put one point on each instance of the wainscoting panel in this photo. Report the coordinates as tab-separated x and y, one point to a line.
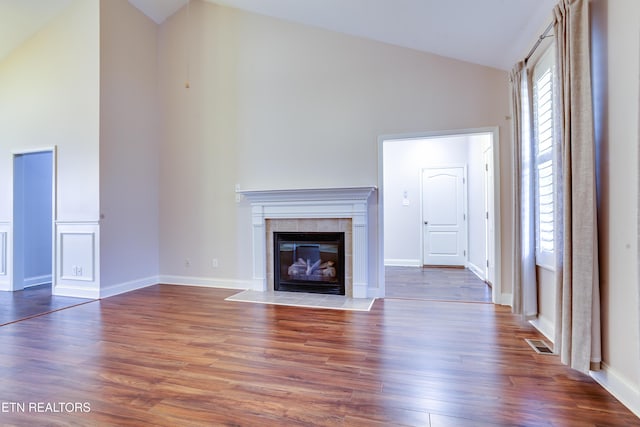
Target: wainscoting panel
78	259
5	258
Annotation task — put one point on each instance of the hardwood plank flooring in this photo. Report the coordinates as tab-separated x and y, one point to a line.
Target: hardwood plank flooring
435	283
182	356
32	301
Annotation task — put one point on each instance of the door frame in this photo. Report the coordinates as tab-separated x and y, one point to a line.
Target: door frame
490	241
465	208
54	214
496	290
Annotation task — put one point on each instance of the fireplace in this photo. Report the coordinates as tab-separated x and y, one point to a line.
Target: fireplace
349	210
310	262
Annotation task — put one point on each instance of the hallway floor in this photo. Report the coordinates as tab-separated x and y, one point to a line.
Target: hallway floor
435	283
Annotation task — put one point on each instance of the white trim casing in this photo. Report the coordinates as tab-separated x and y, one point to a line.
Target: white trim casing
498	296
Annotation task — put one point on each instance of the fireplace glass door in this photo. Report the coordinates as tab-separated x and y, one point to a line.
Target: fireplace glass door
309	262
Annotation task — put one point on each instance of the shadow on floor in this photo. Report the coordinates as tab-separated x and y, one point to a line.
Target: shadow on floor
31	302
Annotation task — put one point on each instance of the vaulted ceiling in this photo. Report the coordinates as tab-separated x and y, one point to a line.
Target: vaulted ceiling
495	33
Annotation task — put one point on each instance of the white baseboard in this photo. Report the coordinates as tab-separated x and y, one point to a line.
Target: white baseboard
375	293
37	280
476	270
154	280
505	299
209	282
128	286
76	292
402	263
545	327
627	393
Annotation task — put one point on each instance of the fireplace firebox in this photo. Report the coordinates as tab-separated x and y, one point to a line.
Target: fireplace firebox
309	262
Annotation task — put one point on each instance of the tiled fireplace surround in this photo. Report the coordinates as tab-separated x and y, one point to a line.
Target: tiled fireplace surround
324	210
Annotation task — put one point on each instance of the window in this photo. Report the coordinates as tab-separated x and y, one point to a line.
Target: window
544	136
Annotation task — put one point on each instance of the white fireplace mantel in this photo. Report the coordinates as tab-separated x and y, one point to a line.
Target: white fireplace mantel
308	195
347	202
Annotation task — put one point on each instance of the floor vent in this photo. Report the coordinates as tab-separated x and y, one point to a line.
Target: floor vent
539	346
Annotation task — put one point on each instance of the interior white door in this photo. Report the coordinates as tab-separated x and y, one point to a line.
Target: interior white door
444	216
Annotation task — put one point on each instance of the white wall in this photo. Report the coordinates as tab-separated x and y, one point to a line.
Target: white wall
276	105
49	96
129	147
616	41
616	89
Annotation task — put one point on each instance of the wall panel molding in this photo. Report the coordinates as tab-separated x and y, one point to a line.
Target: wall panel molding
4	234
5	256
6	259
78	259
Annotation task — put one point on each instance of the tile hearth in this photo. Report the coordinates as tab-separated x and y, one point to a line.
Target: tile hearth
300	299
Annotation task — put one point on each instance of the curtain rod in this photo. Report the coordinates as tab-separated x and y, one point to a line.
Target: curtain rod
535	46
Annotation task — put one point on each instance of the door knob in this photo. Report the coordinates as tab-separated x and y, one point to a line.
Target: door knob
426	222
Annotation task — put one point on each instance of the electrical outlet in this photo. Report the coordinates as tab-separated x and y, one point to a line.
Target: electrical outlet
214	263
187	263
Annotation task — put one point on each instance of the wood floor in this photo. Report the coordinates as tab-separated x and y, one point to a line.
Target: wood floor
182	356
32	301
435	283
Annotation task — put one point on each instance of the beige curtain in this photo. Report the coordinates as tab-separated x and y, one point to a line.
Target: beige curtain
525	295
578	287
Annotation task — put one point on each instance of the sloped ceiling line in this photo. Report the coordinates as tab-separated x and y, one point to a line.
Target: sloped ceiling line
494	33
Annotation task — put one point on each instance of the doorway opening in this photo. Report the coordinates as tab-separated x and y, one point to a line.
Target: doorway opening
457	160
33	219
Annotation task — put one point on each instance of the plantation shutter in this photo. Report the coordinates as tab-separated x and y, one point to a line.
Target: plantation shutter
543	107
